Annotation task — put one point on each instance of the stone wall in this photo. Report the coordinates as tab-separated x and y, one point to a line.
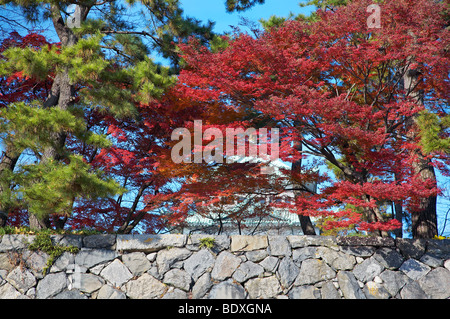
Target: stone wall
238	267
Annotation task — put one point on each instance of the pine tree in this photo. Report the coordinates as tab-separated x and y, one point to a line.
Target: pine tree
100	63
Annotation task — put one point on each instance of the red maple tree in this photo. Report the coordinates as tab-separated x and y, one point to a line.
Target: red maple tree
339	88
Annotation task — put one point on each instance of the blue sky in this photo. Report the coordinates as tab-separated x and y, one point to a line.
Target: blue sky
214	10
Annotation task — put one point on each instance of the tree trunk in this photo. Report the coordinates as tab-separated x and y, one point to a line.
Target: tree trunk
7	164
398	208
61	96
131	222
373	215
3	219
305	221
306	225
398	216
424	219
38	223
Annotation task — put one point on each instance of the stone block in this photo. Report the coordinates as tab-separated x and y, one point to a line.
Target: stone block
336	259
63	262
226	263
247	270
411	248
67	240
389	258
100	241
248	243
21	279
221	242
88	257
136	262
36	261
70	294
116	273
304	292
298	241
368	269
358	251
15	242
149	243
145	287
178	278
412	290
313	271
287	272
439	248
168	257
349	285
7	291
270	263
436	283
279	246
393	281
256	255
365	241
198	263
227	290
6	262
201	286
263	288
108	292
51	285
175	293
329	291
414	269
301	254
87	282
431	260
374	290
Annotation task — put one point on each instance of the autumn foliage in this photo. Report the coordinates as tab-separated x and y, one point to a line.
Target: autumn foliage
335	85
335	89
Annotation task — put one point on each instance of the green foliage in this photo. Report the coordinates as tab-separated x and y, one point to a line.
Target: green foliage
104	85
219	43
43	242
169	26
434	132
53	186
9	230
324	3
241	5
84	60
25	230
32	63
7	196
50	186
106	61
150	80
27	126
207	242
273	22
130	46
